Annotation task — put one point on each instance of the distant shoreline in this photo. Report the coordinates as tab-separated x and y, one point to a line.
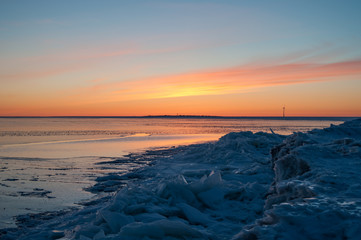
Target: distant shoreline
192	117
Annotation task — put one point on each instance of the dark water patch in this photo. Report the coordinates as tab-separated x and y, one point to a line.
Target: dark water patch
23	159
63	169
11	179
33	219
96	201
36	193
116	161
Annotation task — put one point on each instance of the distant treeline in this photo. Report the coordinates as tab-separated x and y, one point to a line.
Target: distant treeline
197	117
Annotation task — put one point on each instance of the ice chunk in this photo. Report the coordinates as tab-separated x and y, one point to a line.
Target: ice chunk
82	237
159	229
178	229
148	217
177	192
100	235
193	215
212	198
115	220
86	230
290	166
55	234
138	230
205	183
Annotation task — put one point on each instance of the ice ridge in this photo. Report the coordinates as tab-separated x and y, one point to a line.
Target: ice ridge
316	192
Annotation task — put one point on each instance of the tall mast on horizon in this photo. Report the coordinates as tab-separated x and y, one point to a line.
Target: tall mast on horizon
284	109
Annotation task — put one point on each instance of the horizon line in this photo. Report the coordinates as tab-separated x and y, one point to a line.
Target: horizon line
178	116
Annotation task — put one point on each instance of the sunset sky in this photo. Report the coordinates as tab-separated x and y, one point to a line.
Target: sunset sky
227	58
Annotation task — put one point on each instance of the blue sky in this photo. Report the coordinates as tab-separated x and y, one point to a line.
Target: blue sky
51	49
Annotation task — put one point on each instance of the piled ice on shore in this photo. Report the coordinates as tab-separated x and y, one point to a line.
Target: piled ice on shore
244	186
316	192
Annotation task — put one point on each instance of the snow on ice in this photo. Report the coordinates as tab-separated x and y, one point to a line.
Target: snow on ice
244	186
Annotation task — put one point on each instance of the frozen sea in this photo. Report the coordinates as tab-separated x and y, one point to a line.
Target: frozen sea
125	176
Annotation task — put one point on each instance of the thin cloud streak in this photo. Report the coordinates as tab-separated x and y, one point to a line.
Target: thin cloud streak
40	73
227	81
77	61
100	54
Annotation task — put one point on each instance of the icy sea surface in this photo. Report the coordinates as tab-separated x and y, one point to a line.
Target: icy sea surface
246	185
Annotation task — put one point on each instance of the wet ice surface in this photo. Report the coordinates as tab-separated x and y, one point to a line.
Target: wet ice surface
47	184
244	186
49	176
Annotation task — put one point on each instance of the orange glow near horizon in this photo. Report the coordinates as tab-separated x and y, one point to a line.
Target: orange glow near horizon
238	91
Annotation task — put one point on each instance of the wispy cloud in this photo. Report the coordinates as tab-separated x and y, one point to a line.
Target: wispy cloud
224	81
124	49
38	74
80	59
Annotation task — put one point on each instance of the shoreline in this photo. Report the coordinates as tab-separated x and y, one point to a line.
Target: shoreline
242	186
